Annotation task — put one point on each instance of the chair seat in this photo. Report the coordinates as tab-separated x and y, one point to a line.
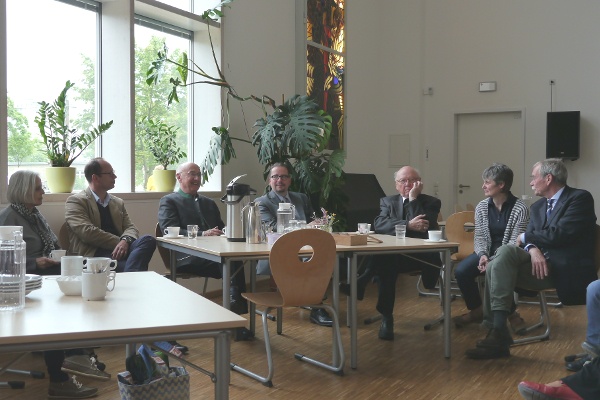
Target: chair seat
265	299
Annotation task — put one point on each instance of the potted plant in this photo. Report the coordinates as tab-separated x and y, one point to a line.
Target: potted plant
63	145
161	140
296	132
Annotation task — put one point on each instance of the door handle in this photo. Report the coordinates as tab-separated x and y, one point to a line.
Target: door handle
463	186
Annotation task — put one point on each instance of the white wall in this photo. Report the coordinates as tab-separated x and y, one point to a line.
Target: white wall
398	47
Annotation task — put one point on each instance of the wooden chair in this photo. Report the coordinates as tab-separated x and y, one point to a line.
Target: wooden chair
166	258
455	232
544	315
301	282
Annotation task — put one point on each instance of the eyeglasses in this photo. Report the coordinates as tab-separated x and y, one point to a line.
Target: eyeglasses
113	172
194	174
275	177
407	181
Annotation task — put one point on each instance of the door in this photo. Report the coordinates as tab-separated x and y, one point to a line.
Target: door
483	138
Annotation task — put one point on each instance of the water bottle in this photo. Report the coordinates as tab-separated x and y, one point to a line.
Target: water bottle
285	213
12	268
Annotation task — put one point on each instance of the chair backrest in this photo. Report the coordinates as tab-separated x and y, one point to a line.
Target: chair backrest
303	280
63	236
164	253
455	232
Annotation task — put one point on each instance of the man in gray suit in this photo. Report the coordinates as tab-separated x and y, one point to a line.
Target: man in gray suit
556	251
280	181
187	207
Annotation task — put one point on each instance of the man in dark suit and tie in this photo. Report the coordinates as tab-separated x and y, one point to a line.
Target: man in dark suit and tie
556	251
280	181
420	212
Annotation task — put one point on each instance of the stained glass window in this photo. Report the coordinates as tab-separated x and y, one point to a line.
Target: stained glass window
325	61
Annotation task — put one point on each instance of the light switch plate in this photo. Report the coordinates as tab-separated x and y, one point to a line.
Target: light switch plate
487	86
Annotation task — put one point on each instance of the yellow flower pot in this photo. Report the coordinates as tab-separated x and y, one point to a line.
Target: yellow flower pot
60	179
164	180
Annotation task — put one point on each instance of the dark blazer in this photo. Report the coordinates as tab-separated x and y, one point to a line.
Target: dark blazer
269	203
390	214
567	239
180	209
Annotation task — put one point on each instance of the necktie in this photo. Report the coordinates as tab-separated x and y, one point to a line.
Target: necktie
404	205
549	208
286	200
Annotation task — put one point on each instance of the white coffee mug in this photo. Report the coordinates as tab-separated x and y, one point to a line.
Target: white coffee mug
71	265
435	236
57	254
172	231
99	264
94	286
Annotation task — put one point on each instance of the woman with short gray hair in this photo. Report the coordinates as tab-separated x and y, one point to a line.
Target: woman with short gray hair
499	219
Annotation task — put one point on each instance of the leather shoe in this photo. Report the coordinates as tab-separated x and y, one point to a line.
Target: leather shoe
487	353
496	338
495	345
320	316
238	305
386	330
539	391
577	364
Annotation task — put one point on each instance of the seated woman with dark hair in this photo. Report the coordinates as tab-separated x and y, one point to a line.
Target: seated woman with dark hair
499	219
24	193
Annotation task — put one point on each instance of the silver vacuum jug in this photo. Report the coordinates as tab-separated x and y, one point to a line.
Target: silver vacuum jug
236	198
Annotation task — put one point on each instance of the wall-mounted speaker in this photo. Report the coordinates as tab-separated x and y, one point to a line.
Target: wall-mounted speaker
562	134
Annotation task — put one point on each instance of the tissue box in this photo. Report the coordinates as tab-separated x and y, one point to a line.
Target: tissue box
350	239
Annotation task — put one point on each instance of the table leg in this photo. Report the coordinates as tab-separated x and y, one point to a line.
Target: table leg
447	277
251	305
336	305
173	264
222	365
226	282
353	313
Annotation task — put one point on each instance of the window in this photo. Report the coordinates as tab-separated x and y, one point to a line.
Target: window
38	67
91	44
151	105
325	61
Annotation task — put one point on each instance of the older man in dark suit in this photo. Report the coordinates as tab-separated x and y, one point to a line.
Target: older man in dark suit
420	212
188	207
556	251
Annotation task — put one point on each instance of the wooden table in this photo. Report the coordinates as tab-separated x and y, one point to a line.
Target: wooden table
144	307
218	249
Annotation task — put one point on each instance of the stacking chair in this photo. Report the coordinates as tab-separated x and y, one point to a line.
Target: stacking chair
301	281
455	232
166	258
544	315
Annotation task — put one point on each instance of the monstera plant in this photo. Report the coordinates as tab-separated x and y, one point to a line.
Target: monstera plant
295	132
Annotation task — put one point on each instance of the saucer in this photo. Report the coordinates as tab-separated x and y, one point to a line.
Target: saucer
370	232
435	241
173	237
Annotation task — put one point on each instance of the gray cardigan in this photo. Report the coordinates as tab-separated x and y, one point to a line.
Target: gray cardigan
35	245
517	223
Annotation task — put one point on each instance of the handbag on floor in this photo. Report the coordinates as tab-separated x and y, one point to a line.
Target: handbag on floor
149	377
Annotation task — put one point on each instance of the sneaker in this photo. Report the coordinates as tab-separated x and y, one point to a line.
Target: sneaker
85	366
70	389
